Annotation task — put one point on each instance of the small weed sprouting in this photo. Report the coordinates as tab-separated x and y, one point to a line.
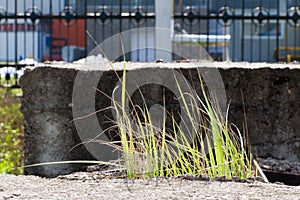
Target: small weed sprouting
213	147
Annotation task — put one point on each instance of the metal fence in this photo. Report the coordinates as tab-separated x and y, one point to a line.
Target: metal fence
237	30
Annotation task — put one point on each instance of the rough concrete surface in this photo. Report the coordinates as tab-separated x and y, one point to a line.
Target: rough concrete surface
266	95
92	186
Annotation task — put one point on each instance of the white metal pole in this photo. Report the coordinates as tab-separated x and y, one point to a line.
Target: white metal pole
164	29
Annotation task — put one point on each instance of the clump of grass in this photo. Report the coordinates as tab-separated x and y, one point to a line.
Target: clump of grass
214	147
11	132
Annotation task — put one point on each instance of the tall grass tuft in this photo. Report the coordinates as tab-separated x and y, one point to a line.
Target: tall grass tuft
213	147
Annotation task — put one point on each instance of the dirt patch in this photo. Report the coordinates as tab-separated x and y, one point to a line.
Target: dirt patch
91	185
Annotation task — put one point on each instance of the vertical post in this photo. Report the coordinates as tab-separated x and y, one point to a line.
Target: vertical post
164	29
16	32
51	31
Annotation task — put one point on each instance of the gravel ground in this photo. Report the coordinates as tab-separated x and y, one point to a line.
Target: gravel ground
91	185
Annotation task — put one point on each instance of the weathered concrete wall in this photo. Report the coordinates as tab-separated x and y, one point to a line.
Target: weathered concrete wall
267	92
49	133
271	99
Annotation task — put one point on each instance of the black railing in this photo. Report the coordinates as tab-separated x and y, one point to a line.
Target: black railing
255	30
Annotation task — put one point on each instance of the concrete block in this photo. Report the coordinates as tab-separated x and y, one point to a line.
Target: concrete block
266	94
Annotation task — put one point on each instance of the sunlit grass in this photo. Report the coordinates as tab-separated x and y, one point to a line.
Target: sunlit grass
217	147
11	131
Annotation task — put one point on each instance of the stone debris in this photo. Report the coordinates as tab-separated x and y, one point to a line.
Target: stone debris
279	165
